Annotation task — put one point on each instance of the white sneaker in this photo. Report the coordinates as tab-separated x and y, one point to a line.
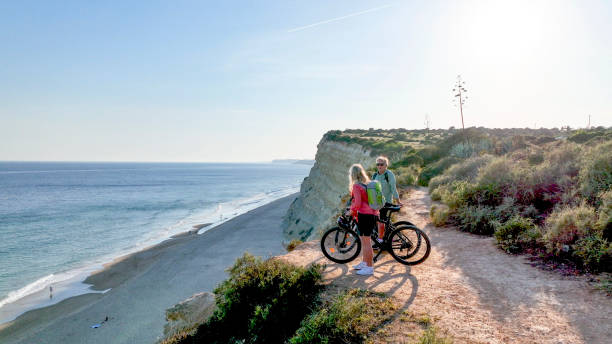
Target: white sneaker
359	266
367	270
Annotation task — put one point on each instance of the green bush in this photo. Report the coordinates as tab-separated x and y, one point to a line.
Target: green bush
516	234
596	172
431	154
485	194
348	319
507	209
407	175
466	170
535	158
477	219
454	195
594	252
435	169
583	136
410	159
436	194
439	214
499	171
260	302
468	149
566	225
604	221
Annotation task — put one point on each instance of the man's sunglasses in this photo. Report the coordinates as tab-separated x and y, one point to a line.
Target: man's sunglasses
380	164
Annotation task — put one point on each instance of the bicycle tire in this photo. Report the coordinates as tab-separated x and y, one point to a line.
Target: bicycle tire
393	226
401	245
340	245
399	223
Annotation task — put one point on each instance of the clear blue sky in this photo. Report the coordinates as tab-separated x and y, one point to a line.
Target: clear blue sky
257	80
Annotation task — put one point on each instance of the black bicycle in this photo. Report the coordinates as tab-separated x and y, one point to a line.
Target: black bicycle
403	240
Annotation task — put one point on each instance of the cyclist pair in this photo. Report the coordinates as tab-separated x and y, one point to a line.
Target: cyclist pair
364	214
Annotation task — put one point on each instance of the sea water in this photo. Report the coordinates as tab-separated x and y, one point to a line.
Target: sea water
61	221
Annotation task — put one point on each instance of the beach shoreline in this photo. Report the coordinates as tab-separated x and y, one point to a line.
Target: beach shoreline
144	283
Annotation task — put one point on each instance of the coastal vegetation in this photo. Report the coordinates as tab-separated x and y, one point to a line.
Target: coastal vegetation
540	191
260	302
272	301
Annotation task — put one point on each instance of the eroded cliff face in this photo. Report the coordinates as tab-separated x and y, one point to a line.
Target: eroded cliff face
322	191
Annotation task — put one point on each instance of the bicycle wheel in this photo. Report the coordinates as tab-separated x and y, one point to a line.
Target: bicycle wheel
340	245
409	245
399	223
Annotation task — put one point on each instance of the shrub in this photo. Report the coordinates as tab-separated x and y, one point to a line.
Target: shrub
515	234
535	158
407	175
435	169
436	194
410	159
484	194
348	319
604	222
467	149
566	225
430	154
454	195
477	219
293	244
499	171
582	136
260	302
507	209
439	214
594	253
466	170
596	172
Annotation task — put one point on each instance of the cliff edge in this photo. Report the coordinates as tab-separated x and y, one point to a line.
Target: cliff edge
322	191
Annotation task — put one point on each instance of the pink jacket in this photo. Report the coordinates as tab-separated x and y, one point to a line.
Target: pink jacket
360	201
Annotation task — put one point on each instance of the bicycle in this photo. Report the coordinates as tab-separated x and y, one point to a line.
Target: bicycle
402	239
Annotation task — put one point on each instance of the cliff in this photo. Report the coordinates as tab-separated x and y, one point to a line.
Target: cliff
322	191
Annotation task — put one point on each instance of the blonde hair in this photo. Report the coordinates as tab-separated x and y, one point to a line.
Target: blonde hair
384	158
357	175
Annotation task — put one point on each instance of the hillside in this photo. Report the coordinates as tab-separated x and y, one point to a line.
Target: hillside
542	191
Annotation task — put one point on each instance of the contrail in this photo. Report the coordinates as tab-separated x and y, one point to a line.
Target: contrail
339	18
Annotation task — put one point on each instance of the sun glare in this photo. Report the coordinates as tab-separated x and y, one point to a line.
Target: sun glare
506	32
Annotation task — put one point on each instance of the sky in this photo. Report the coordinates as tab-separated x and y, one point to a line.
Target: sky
248	81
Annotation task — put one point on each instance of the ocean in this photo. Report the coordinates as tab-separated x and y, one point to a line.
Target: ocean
61	221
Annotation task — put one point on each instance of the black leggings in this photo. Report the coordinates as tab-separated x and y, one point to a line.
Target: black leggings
365	224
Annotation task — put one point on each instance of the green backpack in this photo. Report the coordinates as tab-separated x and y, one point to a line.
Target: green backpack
376	200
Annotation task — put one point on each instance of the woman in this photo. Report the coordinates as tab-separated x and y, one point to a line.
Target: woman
366	216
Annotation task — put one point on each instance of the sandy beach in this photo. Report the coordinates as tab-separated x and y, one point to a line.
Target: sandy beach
144	284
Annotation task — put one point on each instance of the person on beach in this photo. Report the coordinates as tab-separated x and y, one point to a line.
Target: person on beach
365	216
389	189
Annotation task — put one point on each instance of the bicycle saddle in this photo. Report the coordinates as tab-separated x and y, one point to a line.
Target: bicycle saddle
392	208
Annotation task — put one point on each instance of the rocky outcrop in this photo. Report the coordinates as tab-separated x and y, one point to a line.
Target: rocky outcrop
322	191
184	317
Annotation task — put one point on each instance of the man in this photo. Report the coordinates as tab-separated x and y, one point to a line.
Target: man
389	188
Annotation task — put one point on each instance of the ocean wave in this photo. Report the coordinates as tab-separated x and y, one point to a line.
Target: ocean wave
38	285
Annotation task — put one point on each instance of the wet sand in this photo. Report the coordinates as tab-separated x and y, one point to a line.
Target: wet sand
144	284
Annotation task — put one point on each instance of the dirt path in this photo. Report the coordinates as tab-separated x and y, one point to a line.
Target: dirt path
475	292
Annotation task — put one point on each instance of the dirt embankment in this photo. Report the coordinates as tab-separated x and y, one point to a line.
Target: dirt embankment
475	292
